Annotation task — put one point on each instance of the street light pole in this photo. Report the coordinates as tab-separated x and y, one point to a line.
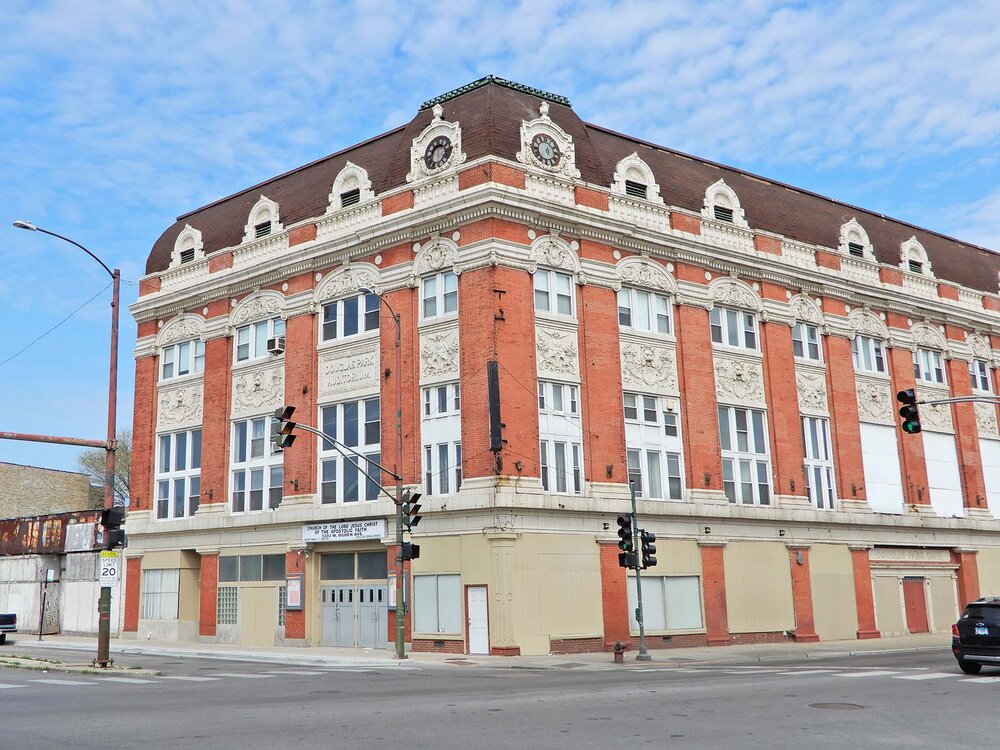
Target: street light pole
104	602
398	471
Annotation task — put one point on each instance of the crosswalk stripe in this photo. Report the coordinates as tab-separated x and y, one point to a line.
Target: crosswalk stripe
7	687
126	680
243	676
751	674
305	672
811	671
74	683
970	680
927	676
668	669
188	678
867	674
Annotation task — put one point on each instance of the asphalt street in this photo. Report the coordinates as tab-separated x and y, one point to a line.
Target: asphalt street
911	700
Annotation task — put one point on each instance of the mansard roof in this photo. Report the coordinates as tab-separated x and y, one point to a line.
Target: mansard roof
490	112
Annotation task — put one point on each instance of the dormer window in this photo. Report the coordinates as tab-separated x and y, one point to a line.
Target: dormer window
350	198
723	214
913	258
635	189
261	230
855	249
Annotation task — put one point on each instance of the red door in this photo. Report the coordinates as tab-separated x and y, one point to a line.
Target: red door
916	605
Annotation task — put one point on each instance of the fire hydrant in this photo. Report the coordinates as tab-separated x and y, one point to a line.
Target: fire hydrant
619	652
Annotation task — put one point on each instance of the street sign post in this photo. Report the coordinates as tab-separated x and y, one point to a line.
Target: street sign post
111	567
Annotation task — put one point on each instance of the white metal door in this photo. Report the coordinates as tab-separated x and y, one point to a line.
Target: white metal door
372	611
478	627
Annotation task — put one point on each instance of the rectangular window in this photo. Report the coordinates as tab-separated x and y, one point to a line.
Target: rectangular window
437	604
927	366
746	466
442	468
979	376
159	594
349	317
257	476
357	424
668	603
553	292
643	311
880	458
178	475
868	354
251	340
990	452
943	480
805	342
735	328
653	447
818	461
185	358
439	294
560	437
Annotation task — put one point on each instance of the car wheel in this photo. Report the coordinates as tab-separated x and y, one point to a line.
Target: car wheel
3	638
970	667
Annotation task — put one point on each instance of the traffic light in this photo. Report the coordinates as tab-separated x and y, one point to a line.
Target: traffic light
648	548
626	543
410	509
908	411
281	428
411	551
112	520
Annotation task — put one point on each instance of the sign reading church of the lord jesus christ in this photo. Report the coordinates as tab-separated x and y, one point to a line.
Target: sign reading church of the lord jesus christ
344	531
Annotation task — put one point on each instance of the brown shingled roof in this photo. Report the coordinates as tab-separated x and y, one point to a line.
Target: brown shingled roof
491	116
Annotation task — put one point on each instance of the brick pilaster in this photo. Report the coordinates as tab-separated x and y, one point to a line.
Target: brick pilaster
405	302
864	596
614	597
911	447
133	588
215	422
143	433
300	391
802	597
700	412
600	363
295	619
845	428
208	602
713	585
783	410
970	461
967	576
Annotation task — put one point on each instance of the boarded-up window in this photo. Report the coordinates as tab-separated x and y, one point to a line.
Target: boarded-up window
943	479
668	603
883	483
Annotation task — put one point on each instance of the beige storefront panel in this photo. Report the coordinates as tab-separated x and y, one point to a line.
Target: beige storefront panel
988	563
258	615
888	610
171	560
944	610
677	557
189	598
758	587
834	607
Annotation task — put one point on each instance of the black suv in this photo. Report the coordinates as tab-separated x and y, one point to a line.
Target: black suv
975	638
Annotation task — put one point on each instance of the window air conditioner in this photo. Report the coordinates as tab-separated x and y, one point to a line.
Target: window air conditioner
276	345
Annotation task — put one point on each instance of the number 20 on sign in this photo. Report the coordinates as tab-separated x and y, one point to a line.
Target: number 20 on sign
111	569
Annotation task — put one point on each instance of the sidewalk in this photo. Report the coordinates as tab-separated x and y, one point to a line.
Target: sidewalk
339	657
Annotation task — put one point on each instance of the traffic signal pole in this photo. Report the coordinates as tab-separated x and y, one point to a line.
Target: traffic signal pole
643	655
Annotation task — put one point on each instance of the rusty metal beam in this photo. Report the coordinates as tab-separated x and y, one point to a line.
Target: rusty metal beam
103	444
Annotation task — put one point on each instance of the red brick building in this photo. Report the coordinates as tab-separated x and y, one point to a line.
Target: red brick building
730	343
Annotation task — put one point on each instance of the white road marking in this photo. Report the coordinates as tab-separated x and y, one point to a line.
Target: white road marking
243	676
811	671
126	680
294	671
867	674
668	669
188	678
971	680
74	683
927	676
755	672
7	687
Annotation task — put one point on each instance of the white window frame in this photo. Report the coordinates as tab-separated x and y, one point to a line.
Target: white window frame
734	329
442	463
653	446
817	462
658	593
554	292
443	400
560	433
427	604
868	354
160	594
188	356
643	311
806	338
928	366
254	467
254	337
364	319
441	433
177	474
754	455
979	376
438	295
561	466
333	465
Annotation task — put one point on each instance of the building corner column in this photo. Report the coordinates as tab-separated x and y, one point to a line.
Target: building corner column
133	588
208	610
802	598
614	597
864	595
713	578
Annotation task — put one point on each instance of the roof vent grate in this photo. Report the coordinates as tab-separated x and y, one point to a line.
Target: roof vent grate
187	255
723	214
635	189
350	198
916	266
262	230
858	251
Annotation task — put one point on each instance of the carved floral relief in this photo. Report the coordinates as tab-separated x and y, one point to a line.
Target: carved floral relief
649	367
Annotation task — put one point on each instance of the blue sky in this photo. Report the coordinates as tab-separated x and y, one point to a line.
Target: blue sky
117	116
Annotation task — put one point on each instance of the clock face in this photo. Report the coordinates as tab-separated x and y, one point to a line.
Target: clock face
545	150
438	152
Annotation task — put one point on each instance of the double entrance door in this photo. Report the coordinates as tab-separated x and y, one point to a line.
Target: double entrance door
355	615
